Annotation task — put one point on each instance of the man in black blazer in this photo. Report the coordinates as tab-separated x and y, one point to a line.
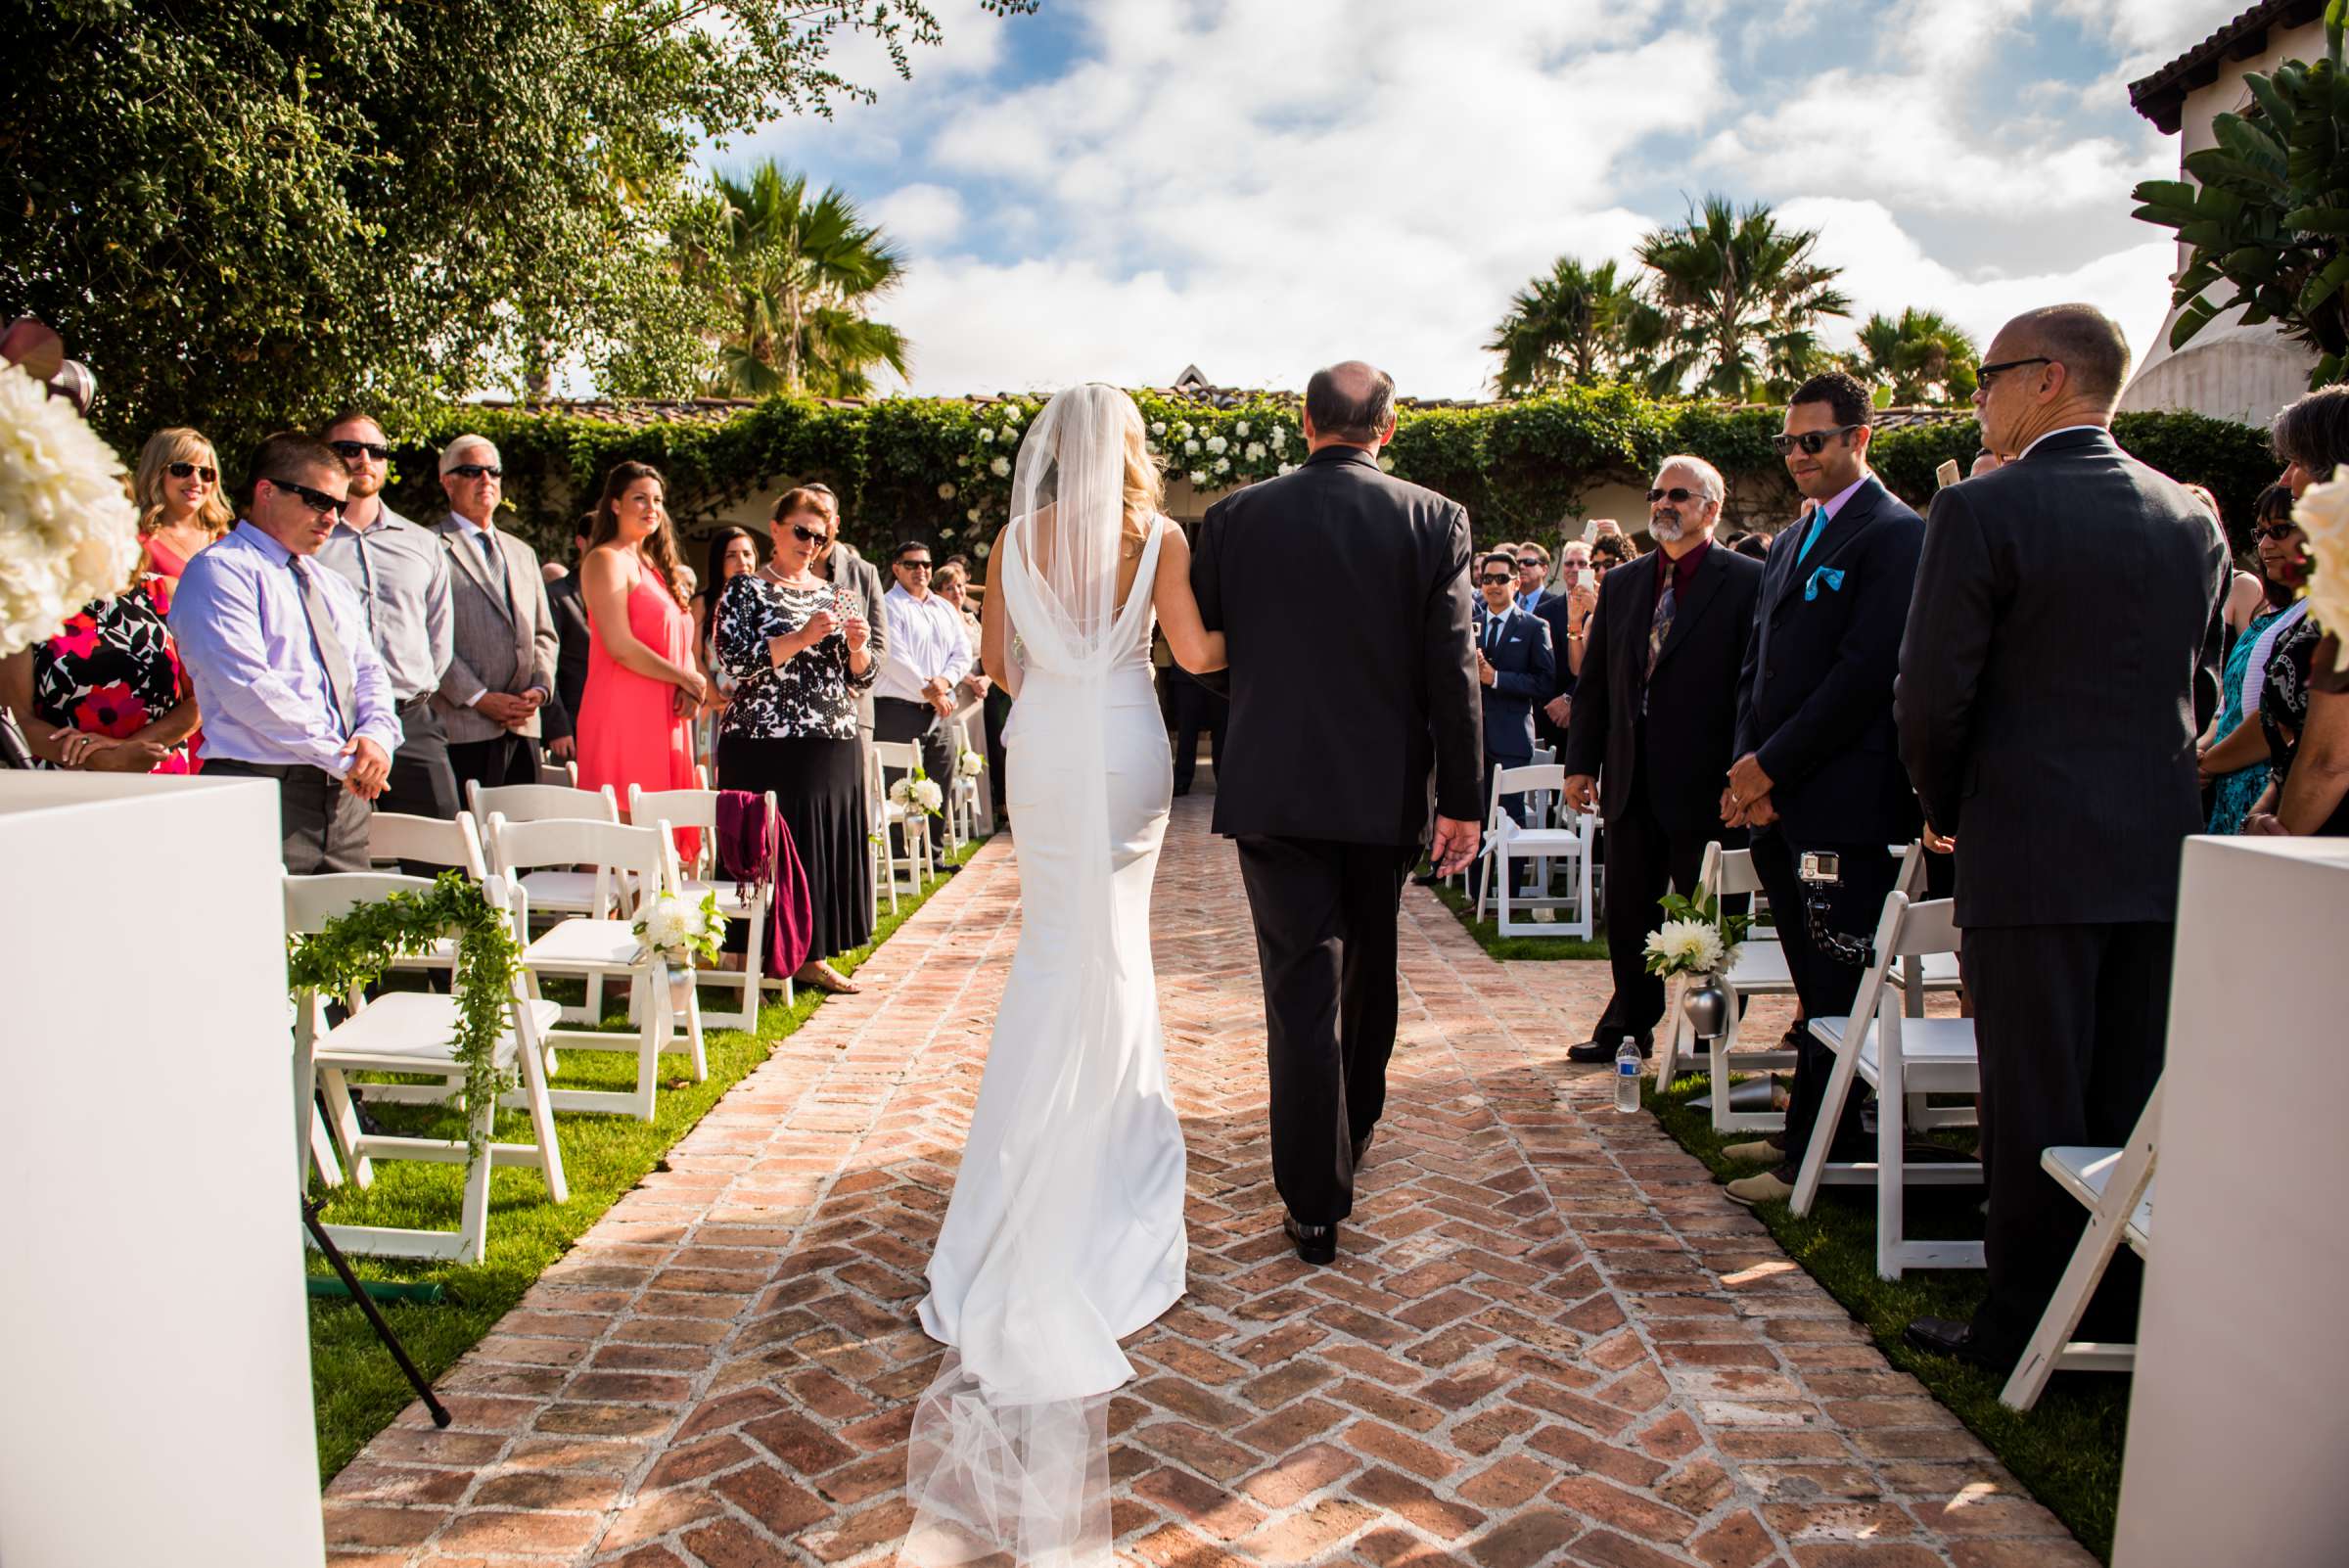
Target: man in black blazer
1655	716
571	658
1567	614
1517	669
2063	605
1818	766
1343	701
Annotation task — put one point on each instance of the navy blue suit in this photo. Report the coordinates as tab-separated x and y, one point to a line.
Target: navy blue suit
1815	709
1524	671
1557	612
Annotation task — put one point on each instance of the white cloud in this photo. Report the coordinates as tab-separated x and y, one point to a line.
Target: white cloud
920	215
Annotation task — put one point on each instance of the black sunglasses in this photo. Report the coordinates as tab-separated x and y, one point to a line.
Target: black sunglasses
1812	441
317	501
183	470
1533	561
812	537
477	470
1504	580
2279	532
915	565
1983	373
375	450
1678	495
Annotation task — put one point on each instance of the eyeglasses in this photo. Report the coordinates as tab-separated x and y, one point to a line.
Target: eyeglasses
317	501
915	565
1678	495
1812	441
375	450
1533	563
812	537
183	470
1495	578
2279	532
1983	373
477	470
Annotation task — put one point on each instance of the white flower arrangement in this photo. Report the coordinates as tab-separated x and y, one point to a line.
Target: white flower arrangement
1182	430
945	492
987	433
1190	448
919	792
1198	480
2322	513
1216	443
1000	467
1222	465
1684	946
67	533
1255	453
1239	428
681	933
1158	427
969	764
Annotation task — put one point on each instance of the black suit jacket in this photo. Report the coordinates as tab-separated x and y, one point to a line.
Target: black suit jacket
1524	669
1557	613
1692	701
562	597
2063	606
1814	700
1343	595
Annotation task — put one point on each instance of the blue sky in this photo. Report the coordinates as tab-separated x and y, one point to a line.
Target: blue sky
1114	189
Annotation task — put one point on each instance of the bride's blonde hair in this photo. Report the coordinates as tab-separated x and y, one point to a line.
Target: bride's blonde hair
1145	486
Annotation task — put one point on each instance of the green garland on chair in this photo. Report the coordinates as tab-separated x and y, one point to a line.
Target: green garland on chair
356	946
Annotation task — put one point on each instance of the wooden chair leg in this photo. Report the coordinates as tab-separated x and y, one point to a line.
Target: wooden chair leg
1830	1110
473	1229
343	1116
542	1117
1891	1178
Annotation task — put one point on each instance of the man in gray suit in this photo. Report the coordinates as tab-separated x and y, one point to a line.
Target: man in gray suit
2064	603
506	645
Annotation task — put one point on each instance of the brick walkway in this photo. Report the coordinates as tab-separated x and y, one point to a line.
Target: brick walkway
1550	1339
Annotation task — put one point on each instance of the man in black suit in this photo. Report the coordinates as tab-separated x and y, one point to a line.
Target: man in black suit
1655	715
1567	614
2049	727
1818	764
1515	666
571	658
1343	701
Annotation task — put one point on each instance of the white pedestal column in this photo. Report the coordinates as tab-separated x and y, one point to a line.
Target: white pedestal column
2238	1424
154	1366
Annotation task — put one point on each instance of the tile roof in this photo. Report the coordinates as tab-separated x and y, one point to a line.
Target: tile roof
2161	97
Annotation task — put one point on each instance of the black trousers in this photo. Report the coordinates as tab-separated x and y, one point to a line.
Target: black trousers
1325	915
494	762
422	781
322	826
1513	805
2071	1022
998	712
895	719
1644	860
1824	986
1196	709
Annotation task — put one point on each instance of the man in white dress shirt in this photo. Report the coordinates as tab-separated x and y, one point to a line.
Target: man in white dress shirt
928	658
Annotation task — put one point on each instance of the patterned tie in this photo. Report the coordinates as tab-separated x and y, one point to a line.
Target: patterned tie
1658	631
330	647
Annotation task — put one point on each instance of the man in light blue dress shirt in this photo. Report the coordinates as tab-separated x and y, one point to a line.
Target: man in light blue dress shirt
289	685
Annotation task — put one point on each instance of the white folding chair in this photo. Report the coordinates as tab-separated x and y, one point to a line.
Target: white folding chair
1920	975
911	820
412	1033
555	892
606	944
2117	1187
1507	845
1897	1056
396	839
1760	971
743	904
970	794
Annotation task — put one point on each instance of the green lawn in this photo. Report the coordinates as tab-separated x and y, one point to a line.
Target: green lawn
2067	1450
1488	933
357	1388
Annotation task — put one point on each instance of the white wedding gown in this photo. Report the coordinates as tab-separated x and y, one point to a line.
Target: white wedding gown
1065	1232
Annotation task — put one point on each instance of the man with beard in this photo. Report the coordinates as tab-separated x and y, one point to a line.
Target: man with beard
1655	718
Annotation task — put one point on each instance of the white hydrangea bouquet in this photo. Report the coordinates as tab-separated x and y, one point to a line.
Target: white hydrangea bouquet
1695	939
2322	513
968	763
68	535
920	791
681	933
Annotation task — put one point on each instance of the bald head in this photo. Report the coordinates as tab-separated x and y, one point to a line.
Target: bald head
1352	403
2085	342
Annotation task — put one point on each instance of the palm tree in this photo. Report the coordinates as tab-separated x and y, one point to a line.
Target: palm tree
797	273
1921	357
1735	299
1565	328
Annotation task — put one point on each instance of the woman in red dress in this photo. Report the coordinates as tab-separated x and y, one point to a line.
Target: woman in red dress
181	507
643	681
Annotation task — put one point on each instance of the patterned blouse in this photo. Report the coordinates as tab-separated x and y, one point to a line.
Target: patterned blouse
113	669
2284	706
813	694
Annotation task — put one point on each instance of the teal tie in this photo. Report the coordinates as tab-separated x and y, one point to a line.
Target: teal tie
1819	526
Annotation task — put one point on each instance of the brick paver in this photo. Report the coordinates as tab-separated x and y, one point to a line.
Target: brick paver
1550	1338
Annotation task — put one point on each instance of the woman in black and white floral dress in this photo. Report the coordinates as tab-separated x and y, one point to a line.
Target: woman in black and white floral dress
800	654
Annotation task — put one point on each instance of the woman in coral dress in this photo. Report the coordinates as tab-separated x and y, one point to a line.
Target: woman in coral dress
643	681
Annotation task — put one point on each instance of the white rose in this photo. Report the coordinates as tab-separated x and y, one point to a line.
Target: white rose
1190	448
1240	429
2322	513
1158	427
1255	453
67	533
986	434
972	514
1216	443
1288	468
1222	465
1011	434
1000	467
981	549
1014	412
945	492
1386	465
1198	480
1182	428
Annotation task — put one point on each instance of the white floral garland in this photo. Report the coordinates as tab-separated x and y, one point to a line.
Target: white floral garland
2322	513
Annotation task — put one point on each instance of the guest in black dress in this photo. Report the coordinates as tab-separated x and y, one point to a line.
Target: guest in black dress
2304	711
799	651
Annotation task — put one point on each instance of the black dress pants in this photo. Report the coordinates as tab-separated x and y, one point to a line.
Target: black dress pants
496	762
422	782
2071	1022
322	826
1644	860
895	719
1325	915
1824	986
1196	709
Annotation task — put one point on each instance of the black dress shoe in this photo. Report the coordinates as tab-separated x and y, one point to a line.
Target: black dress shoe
1603	1050
1362	1146
1316	1244
1947	1336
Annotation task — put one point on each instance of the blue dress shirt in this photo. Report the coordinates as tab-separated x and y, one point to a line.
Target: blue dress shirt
246	643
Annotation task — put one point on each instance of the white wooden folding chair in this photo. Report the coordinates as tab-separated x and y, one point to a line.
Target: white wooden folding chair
1508	846
605	944
1760	971
970	796
401	840
920	856
743	904
2117	1187
1920	974
555	892
1898	1056
412	1033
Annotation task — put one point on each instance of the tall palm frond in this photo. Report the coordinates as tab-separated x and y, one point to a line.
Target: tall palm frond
1738	297
1564	328
1920	355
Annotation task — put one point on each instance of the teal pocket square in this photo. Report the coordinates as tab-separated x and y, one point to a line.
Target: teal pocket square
1833	576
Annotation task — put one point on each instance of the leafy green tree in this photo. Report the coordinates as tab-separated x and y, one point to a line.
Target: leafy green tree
246	212
2267	210
1735	300
1566	328
794	273
1919	357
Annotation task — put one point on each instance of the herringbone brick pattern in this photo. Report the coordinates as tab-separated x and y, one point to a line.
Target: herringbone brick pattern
1548	1338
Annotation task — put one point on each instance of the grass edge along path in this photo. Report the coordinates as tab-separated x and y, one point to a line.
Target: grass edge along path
355	1388
2066	1450
1509	949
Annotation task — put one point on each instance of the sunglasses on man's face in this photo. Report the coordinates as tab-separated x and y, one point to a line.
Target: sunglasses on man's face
1532	563
184	470
915	565
1812	441
1499	579
475	471
2279	532
1678	495
317	501
814	537
351	449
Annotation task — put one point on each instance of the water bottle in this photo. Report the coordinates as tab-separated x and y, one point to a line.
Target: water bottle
1627	1074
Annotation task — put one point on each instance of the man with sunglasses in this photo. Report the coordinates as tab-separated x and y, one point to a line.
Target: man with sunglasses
1515	667
1655	714
402	574
1817	765
929	657
289	683
503	668
2064	604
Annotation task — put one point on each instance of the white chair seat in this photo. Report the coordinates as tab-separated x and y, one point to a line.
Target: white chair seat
560	892
1942	973
1926	1043
1545	841
2085	1171
1761	968
575	945
410	1031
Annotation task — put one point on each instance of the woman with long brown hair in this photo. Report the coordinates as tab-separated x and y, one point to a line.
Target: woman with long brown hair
181	507
643	682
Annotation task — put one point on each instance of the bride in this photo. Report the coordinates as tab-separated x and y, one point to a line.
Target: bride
1064	1234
